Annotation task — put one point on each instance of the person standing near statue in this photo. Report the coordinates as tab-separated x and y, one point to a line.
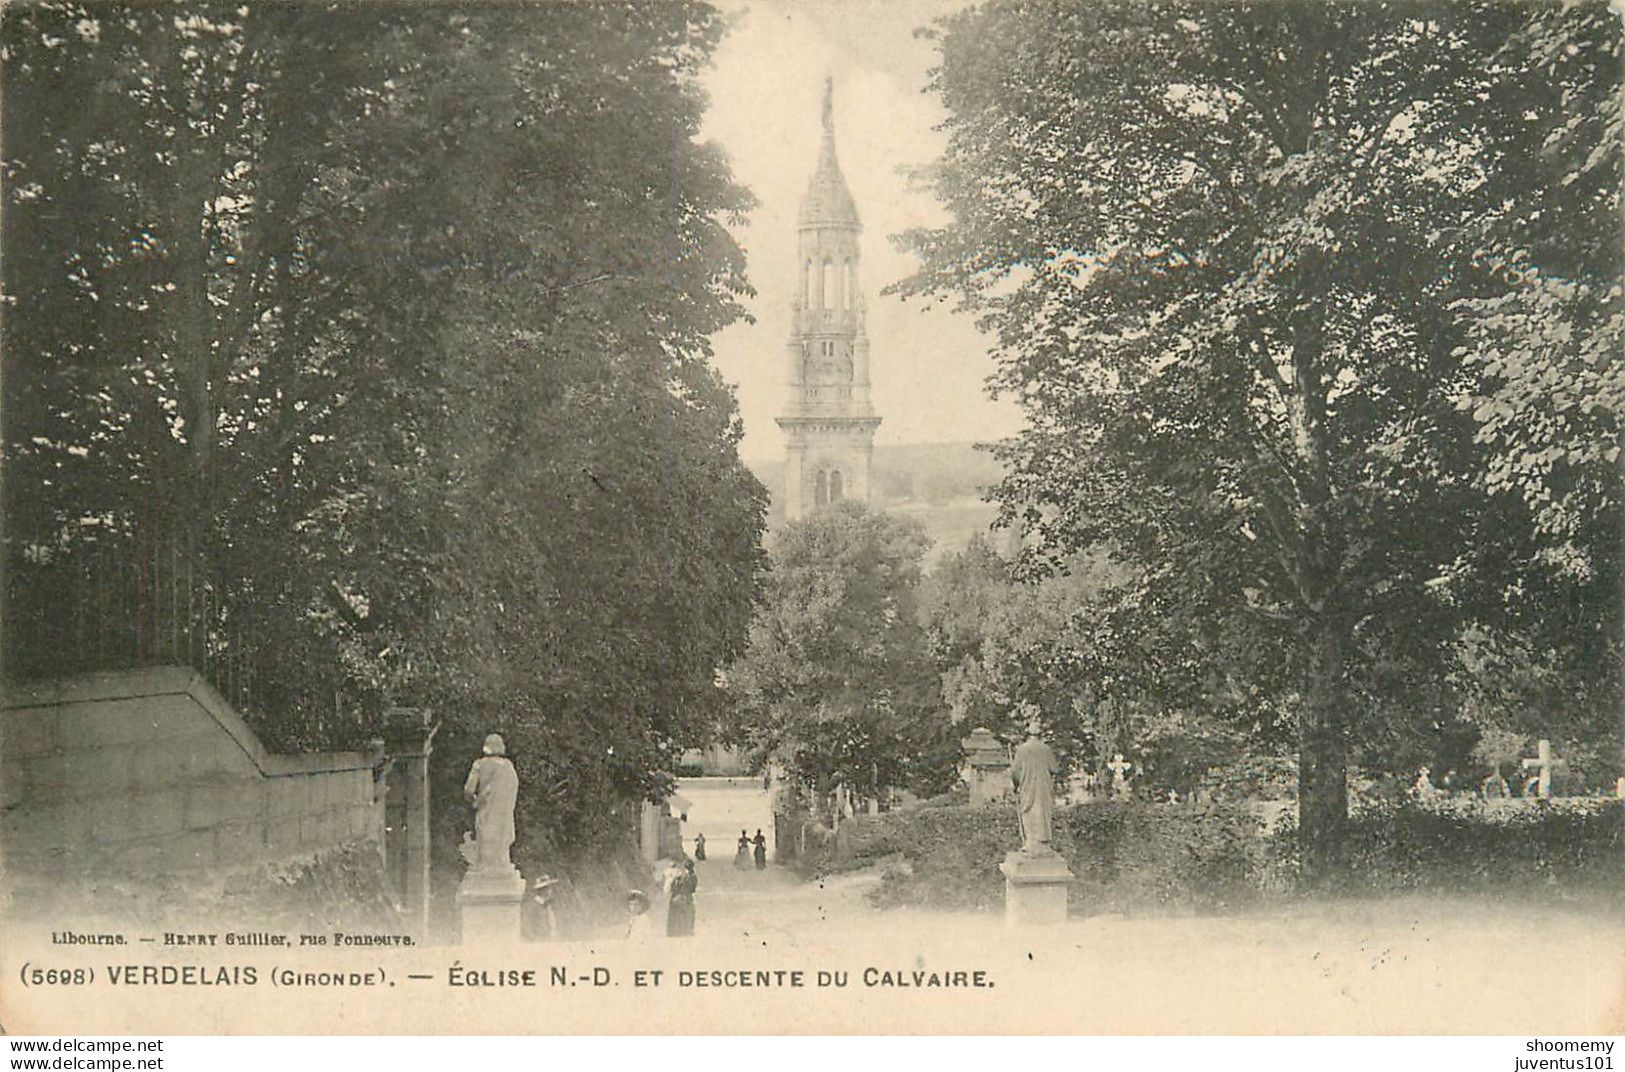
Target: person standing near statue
639	928
543	894
680	915
493	788
699	846
1032	770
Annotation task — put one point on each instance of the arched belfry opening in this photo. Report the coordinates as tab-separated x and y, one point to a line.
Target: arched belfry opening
829	421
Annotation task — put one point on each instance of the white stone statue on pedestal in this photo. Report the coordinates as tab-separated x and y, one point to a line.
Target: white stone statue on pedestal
1036	877
492	890
493	789
1032	771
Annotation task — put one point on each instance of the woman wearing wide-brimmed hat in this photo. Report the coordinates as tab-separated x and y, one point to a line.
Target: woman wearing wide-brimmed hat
638	928
543	892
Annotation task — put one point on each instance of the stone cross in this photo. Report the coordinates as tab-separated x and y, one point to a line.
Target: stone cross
1545	764
1119	768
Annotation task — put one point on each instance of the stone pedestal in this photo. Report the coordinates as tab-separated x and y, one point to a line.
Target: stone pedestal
987	767
490	903
1034	888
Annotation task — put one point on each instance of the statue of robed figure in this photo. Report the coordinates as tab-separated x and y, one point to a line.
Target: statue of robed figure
1032	771
493	789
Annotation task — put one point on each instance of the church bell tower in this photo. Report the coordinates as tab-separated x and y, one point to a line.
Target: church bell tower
829	423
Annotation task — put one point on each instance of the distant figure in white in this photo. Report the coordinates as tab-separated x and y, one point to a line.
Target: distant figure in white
493	789
1033	772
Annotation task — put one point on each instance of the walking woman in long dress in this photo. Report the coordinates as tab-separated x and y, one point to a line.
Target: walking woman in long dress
680	917
742	854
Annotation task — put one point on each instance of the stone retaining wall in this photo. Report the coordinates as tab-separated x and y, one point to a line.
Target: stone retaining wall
150	772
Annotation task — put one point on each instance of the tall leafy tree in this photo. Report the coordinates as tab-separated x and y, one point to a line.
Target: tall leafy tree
395	319
176	360
1107	671
582	555
1220	248
836	683
1549	384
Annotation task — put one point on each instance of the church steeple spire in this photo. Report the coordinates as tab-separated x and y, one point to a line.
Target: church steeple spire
828	421
828	203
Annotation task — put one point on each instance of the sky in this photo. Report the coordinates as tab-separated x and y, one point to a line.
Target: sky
928	364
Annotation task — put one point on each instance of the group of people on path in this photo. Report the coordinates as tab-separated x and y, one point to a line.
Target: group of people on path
681	882
751	848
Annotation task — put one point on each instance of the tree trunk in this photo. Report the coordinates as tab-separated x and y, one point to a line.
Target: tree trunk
191	316
1323	762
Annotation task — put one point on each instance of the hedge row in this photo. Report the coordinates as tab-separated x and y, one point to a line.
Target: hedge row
1466	844
1134	858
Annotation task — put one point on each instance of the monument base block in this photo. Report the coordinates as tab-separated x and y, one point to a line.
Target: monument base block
1035	888
490	905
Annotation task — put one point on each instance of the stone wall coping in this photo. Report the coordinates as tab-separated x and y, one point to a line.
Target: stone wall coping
183	681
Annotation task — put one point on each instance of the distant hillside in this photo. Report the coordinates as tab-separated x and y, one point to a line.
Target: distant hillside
941	485
933	473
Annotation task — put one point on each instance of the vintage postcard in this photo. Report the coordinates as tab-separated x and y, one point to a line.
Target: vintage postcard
813	516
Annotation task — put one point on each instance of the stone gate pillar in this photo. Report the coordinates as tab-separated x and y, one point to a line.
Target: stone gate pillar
408	742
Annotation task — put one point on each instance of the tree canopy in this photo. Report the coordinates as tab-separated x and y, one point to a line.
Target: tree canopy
392	322
836	684
1236	260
